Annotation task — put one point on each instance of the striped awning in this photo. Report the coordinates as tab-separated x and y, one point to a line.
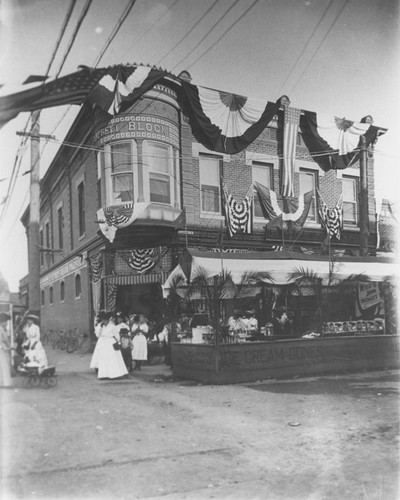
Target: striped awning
136	279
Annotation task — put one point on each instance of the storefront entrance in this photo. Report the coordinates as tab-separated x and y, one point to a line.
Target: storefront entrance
140	299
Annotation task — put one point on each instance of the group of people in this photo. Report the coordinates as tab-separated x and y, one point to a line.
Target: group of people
30	350
247	323
121	344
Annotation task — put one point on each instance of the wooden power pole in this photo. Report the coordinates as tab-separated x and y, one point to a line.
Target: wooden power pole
364	231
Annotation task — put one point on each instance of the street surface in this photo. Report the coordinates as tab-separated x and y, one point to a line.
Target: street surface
333	437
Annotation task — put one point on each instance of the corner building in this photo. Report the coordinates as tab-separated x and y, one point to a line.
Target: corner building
144	169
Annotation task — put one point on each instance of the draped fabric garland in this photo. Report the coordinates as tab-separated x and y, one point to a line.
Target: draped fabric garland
143	259
331	218
334	143
116	216
238	215
224	122
293	213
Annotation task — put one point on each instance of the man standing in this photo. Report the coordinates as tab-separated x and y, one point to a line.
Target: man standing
281	323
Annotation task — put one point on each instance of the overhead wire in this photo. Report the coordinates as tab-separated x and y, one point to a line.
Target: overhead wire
152	26
224	33
115	31
304	48
221	18
188	32
62	32
320	45
75	33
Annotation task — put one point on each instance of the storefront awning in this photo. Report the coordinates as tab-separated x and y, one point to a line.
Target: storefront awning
135	279
280	265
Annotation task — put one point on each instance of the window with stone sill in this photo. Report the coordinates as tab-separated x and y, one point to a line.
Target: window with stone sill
350	196
308	180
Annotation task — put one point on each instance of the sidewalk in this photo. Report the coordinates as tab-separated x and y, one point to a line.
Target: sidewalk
66	363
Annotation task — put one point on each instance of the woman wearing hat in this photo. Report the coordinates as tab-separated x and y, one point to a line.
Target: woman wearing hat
108	362
5	349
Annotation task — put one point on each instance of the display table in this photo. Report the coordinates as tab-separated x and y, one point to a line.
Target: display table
252	361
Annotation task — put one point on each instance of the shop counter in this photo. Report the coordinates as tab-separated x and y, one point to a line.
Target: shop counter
284	358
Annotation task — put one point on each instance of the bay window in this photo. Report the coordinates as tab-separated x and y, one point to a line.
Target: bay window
121	173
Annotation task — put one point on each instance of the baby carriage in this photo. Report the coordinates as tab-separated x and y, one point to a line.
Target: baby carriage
45	378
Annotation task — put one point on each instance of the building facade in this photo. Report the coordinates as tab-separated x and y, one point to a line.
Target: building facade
126	194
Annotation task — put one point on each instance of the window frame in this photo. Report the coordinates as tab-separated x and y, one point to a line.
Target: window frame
217	185
269	166
78	279
129	171
355	203
60	221
81	209
315	176
62	291
51	295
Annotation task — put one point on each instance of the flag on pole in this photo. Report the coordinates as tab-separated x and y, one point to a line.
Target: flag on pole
238	215
111	88
224	122
334	143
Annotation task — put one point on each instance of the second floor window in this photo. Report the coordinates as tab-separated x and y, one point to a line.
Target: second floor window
81	208
308	182
62	291
263	174
210	184
41	247
60	217
159	170
51	296
350	211
121	172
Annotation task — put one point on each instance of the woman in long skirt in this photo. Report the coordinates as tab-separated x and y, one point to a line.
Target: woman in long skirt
108	362
5	352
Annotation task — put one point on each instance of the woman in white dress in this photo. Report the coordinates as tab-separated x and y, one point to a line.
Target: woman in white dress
5	350
108	362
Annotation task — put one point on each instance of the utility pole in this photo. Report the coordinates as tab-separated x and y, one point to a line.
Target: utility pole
34	247
364	232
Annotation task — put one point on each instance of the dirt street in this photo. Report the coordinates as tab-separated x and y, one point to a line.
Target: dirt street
335	437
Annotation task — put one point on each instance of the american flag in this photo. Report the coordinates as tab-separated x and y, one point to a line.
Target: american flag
102	87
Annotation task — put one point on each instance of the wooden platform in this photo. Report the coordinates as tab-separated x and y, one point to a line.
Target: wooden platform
252	361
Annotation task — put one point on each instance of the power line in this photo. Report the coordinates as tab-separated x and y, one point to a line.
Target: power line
320	45
151	27
304	48
208	32
75	33
223	34
115	31
64	27
188	33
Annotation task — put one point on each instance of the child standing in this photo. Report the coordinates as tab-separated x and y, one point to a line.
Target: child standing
139	349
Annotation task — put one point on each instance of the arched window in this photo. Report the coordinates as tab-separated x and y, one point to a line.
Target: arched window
62	291
78	286
42	297
51	298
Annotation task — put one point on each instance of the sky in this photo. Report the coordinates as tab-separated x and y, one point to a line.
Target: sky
337	57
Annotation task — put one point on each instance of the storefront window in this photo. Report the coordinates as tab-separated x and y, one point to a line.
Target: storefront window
308	182
121	172
350	212
210	171
262	173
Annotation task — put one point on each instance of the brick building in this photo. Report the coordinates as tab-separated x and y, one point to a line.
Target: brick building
149	156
